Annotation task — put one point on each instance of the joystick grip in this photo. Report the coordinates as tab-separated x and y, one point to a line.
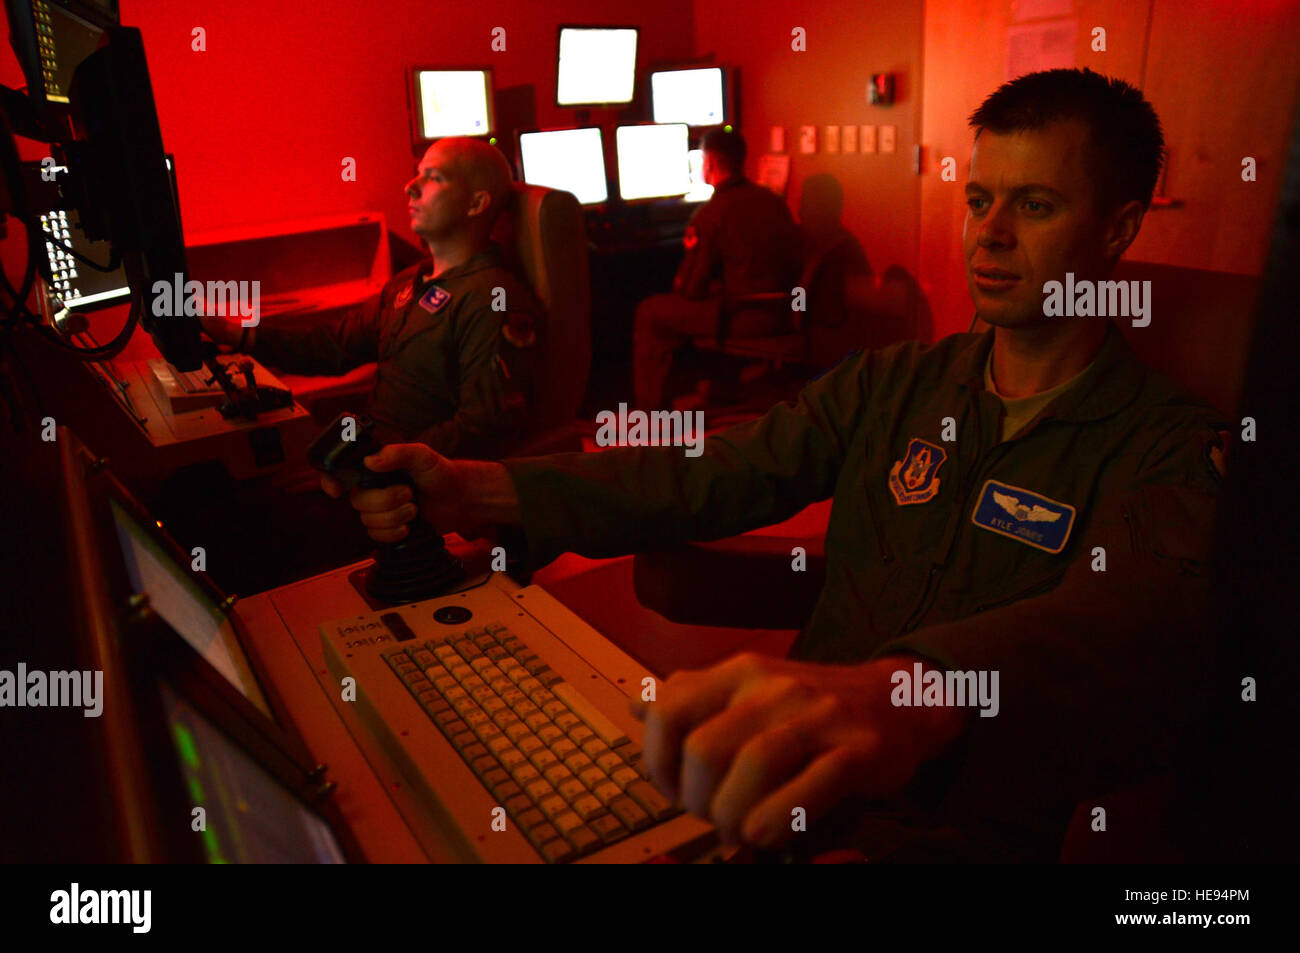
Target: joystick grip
416	567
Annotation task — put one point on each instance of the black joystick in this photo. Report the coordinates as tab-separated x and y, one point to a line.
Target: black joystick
418	566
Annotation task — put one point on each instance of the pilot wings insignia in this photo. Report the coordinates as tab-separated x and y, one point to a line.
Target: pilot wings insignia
1026	514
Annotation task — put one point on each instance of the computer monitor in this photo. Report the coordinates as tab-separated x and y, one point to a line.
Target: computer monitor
70	282
184	722
572	160
447	102
697	97
597	66
51	38
653	161
700	190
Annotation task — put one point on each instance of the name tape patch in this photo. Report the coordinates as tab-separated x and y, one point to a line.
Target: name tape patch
1023	515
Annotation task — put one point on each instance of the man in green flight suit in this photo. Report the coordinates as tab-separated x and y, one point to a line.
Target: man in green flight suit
455	336
1024	513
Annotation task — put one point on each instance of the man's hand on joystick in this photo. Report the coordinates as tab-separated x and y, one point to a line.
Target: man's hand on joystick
436	493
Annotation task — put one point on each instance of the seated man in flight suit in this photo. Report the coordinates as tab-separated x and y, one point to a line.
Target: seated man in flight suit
455	336
742	241
1031	502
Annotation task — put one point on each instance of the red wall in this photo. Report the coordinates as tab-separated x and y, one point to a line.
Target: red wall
261	121
846	41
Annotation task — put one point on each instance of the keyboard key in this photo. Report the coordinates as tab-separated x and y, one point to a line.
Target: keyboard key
578	762
624	776
446	717
542	833
554	707
567	822
550	679
654	803
424	658
539	789
632	816
607	791
571	788
524	774
563	748
594	748
607	762
463	740
580	734
584	839
530	685
567	720
483	765
553	807
550	734
515	730
592	777
496	653
543	759
498	743
535	720
474	751
511	757
556	773
609	732
529	743
520	807
587	806
485	641
609	827
556	851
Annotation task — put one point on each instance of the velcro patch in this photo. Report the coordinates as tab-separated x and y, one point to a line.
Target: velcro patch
915	478
434	299
1023	515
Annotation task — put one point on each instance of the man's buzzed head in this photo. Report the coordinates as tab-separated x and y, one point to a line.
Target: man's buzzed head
482	168
460	183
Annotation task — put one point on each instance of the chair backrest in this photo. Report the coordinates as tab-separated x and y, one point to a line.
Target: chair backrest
544	238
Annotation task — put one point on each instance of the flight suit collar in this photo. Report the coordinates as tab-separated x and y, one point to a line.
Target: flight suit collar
489	257
734	182
1113	382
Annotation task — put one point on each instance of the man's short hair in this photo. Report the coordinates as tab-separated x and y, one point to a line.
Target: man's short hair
1127	146
483	167
727	147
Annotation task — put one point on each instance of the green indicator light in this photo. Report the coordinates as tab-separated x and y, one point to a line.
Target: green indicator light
185	743
492	140
213	848
727	127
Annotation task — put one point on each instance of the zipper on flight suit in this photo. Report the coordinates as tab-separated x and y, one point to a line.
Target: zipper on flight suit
963	492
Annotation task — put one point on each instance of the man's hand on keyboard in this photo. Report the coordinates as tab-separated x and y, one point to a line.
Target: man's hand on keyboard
745	742
462	496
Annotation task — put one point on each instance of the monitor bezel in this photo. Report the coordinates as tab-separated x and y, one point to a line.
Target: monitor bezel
519	159
559	32
136	650
649	199
413	100
728	107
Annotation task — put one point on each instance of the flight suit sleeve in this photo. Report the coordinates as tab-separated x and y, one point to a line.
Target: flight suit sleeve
627	499
703	260
496	359
1097	677
333	345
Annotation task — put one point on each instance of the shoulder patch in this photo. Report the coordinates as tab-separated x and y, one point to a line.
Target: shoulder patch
519	329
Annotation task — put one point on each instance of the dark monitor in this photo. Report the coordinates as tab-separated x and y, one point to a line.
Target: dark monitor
51	38
653	161
183	725
596	66
571	160
697	97
70	282
447	102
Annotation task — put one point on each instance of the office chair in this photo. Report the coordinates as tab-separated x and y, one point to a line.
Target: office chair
544	242
544	237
